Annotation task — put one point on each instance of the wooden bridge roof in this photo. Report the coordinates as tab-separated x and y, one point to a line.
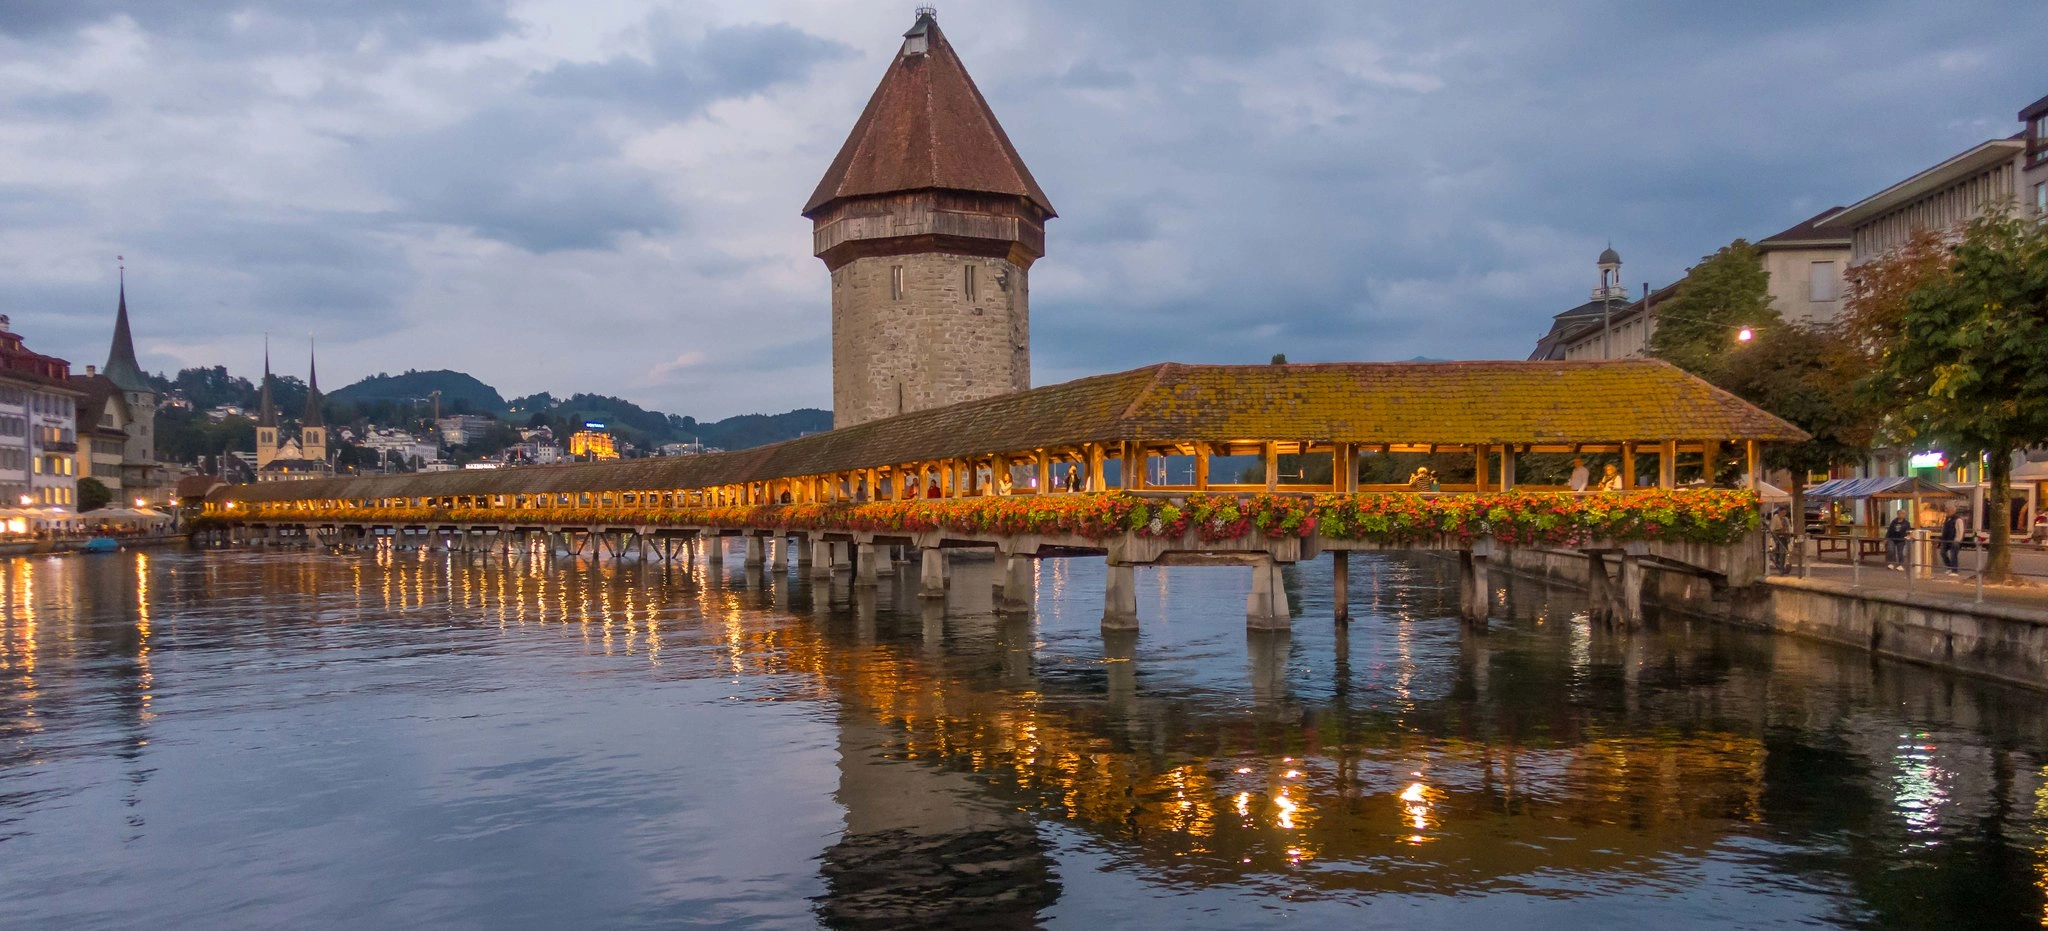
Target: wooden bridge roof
1439	403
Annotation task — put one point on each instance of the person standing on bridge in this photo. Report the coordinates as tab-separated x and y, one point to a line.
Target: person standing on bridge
1610	478
1580	477
1895	541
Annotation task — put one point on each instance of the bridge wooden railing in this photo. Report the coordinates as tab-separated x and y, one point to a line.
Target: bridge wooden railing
1565	519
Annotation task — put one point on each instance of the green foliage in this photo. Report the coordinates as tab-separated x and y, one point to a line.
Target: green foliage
460	393
1967	366
184	436
93	495
1729	289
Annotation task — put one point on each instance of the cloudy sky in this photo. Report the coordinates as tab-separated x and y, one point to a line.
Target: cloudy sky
602	195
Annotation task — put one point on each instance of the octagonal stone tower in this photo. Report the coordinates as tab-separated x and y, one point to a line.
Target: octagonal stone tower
929	223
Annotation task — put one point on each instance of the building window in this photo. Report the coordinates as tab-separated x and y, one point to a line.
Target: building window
967	282
895	282
1821	282
2041	198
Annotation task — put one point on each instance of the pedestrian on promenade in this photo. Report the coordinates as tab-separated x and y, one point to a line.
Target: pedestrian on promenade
1580	477
1421	480
1074	477
1610	478
1895	542
1951	537
932	490
1781	536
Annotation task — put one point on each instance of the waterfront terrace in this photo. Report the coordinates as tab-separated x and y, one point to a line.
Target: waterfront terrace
1122	465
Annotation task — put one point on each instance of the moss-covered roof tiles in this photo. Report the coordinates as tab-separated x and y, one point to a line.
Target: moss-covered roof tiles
1440	403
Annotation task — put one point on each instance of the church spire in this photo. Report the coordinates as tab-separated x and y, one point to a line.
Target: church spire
266	409
122	368
312	418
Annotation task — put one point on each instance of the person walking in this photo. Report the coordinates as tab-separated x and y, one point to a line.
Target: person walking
1895	534
1951	540
1781	537
1580	477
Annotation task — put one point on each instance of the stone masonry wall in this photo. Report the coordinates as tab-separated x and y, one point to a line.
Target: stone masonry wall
933	346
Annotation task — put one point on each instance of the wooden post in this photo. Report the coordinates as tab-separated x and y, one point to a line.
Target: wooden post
1201	467
1132	467
1044	472
1120	598
931	573
1479	470
1667	464
1628	465
1755	479
864	565
1340	570
1347	468
1710	453
1507	467
1095	480
1269	451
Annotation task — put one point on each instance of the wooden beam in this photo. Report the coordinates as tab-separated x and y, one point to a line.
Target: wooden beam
1755	479
1095	478
1201	467
1044	472
1628	465
1479	464
1667	464
1270	453
1507	467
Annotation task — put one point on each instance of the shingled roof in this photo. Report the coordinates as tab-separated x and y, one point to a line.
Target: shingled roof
927	128
1441	403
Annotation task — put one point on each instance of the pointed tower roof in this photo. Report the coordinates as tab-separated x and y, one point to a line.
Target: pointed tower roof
122	368
312	418
266	410
927	128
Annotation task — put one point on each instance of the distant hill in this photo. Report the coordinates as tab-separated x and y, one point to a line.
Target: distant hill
748	430
460	393
463	393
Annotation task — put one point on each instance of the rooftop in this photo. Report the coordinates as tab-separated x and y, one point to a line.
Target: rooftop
1422	403
927	128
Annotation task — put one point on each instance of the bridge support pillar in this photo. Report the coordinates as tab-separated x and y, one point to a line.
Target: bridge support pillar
842	556
1120	598
1020	576
803	554
714	549
1475	597
755	544
1266	608
885	559
1340	573
1632	590
864	565
821	558
931	572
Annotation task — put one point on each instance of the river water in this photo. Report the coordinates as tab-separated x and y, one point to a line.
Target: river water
406	739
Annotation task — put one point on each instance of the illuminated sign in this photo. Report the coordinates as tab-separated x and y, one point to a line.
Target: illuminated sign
593	425
1933	460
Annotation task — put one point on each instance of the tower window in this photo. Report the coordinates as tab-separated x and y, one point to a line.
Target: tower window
967	283
895	282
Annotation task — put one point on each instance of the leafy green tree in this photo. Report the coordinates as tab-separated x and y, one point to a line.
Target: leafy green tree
1725	291
1965	364
1804	374
93	495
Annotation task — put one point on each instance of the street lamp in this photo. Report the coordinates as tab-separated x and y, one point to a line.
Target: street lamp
1744	334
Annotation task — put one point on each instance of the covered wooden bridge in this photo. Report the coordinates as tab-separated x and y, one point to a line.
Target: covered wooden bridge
1123	464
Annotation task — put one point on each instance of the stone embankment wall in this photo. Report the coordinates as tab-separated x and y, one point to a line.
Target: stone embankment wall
2002	642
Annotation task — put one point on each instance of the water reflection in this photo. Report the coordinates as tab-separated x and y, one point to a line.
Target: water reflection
418	737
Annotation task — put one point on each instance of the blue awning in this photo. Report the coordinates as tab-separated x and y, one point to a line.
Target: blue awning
1882	486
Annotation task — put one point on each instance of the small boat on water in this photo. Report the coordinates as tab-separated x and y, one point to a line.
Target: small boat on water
100	545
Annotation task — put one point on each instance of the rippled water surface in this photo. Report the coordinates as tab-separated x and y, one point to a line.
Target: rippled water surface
405	739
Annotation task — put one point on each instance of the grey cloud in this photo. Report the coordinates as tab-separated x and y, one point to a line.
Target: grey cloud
683	75
331	22
536	176
61	105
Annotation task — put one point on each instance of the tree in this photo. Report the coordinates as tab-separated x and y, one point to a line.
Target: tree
1966	364
93	495
1725	291
1804	374
1807	375
1874	302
